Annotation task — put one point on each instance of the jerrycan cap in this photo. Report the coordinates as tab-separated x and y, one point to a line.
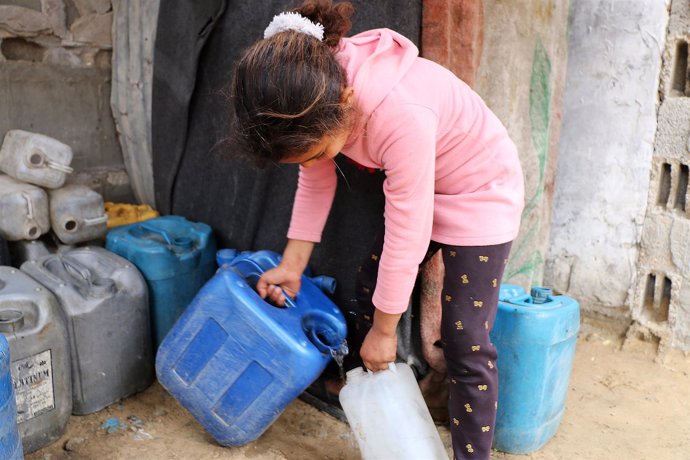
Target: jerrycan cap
36	159
540	295
31	230
11	320
225	256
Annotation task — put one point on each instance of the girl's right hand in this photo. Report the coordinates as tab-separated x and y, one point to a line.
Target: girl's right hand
277	282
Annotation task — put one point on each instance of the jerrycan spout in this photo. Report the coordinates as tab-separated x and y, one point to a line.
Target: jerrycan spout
325	332
225	256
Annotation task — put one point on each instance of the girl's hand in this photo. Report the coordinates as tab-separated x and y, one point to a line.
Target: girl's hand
381	343
287	275
277	282
378	350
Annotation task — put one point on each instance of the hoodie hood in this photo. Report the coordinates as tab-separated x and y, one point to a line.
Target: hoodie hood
375	61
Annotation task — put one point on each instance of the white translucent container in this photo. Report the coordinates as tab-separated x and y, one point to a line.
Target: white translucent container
77	214
389	417
23	210
35	158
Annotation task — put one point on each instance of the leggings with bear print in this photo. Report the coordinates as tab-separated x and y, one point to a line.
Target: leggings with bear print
469	302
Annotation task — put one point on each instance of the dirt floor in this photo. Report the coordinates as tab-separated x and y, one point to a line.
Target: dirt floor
626	401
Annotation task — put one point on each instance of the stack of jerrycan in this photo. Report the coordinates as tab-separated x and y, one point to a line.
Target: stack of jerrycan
10	442
175	256
535	337
105	301
33	161
36	162
235	361
124	214
33	323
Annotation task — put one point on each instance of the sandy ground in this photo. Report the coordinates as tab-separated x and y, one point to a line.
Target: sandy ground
626	401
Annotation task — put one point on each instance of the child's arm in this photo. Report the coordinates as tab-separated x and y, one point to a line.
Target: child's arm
285	278
381	343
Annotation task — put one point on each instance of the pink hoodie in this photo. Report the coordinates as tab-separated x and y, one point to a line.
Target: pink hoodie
452	173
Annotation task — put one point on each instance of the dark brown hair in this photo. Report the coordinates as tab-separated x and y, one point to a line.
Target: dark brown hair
287	88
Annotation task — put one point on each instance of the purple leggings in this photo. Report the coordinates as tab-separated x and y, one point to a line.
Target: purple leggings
469	298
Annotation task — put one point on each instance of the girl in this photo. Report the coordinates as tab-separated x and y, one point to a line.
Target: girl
453	183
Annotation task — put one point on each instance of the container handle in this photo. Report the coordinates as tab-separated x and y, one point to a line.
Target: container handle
76	268
166	236
29	206
95	286
391	367
59	167
96	220
31	229
251	269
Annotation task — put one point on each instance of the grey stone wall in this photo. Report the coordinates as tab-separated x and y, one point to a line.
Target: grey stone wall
55	65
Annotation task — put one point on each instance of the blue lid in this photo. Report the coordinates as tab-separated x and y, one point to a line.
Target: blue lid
540	294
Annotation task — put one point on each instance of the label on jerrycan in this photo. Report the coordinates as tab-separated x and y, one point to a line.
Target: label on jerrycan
32	379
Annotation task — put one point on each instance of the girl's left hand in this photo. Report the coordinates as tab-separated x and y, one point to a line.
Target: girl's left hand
379	349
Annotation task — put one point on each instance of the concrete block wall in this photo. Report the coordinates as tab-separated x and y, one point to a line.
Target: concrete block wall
660	300
606	153
55	65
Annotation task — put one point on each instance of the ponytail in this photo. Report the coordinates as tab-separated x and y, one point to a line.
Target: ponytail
335	19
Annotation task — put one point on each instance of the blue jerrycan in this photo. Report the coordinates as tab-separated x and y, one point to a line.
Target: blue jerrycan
175	256
10	442
235	362
535	337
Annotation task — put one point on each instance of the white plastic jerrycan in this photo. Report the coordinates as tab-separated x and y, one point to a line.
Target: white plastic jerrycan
389	417
23	210
35	158
77	214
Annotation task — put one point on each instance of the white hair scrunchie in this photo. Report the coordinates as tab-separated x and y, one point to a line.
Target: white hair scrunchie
293	21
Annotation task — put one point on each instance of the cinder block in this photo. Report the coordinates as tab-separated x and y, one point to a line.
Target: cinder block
673	128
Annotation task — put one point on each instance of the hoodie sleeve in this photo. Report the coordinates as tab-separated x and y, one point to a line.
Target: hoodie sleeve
404	141
313	199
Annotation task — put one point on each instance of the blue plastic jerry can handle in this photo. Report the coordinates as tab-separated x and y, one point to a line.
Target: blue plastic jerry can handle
250	270
326	284
183	241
